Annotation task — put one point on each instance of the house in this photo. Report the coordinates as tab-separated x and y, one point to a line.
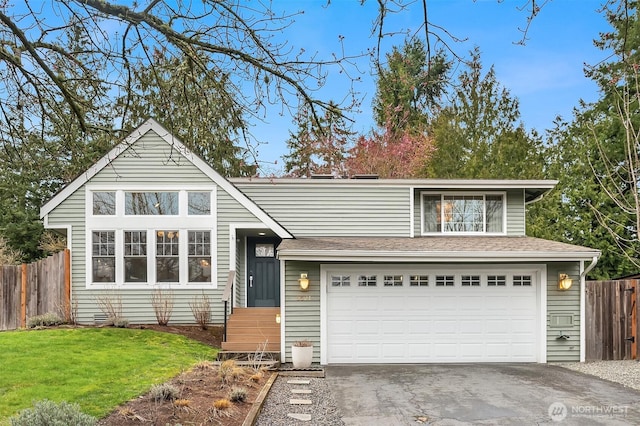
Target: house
395	271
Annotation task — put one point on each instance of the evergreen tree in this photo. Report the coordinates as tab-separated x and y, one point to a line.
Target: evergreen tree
479	136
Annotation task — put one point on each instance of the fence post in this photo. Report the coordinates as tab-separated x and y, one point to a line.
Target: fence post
23	297
634	319
67	284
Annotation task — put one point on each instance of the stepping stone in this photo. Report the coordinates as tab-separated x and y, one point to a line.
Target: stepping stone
298	382
301	417
300	390
300	401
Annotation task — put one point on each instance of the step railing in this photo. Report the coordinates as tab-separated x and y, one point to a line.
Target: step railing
227	298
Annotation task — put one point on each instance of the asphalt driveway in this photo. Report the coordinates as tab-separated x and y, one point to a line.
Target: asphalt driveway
479	394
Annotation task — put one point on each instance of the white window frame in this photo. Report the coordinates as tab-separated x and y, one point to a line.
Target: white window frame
442	194
183	223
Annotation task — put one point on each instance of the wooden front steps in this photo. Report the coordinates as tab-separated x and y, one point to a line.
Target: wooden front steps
253	330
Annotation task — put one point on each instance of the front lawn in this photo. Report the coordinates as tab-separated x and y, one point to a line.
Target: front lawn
98	368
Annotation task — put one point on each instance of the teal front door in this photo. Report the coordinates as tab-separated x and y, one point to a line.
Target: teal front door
263	272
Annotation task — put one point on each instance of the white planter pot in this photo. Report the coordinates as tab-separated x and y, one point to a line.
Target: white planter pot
302	356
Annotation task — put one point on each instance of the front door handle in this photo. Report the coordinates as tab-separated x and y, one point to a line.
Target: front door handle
250	280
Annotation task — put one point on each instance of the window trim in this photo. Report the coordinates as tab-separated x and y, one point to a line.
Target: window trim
119	223
442	194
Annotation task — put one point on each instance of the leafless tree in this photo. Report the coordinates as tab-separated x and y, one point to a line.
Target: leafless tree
70	58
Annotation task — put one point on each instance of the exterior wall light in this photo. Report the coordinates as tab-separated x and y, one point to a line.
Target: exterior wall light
303	281
564	282
278	319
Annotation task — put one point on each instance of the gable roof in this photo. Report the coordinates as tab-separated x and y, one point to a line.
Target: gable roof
433	249
165	135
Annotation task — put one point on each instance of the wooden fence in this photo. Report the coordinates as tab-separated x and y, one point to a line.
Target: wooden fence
612	319
35	289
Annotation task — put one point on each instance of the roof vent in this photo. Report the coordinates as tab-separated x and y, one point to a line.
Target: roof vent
365	176
321	176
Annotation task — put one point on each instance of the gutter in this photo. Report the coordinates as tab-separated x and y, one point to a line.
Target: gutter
443	256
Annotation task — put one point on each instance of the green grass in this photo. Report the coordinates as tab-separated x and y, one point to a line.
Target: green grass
98	368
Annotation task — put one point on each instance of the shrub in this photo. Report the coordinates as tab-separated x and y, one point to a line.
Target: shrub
45	320
47	412
182	403
221	404
162	302
238	395
201	310
229	371
164	392
117	322
256	377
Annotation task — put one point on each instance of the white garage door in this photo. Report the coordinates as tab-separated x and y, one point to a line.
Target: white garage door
415	315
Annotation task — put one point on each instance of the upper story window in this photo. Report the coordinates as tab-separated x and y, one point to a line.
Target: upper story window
104	203
151	203
457	213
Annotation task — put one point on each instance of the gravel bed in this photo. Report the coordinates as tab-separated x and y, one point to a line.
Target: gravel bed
625	372
276	406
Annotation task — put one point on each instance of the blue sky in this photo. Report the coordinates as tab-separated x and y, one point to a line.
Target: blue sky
546	74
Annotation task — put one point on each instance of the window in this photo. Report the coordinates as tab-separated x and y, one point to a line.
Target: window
522	280
167	256
444	280
393	280
199	203
462	213
103	249
496	280
151	203
135	256
104	203
340	281
199	256
470	280
265	250
367	281
137	238
419	280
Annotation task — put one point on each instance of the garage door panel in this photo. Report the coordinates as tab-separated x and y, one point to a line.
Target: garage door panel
368	351
432	323
365	328
391	327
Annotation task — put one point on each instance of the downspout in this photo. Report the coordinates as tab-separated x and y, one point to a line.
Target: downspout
583	275
583	332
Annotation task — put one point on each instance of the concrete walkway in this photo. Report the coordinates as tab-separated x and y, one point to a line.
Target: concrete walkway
478	394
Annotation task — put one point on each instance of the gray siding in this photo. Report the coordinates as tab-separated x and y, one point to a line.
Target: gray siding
156	163
565	303
302	309
150	161
515	211
330	210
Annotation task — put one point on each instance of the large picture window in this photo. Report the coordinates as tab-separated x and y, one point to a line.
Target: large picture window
151	203
199	256
142	238
462	213
135	256
167	256
103	250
